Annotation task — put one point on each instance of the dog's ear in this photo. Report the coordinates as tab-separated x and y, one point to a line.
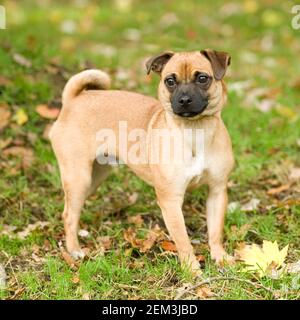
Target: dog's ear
219	61
158	62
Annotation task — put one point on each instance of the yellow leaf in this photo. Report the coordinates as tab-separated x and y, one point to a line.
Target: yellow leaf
287	112
250	6
273	253
263	260
21	117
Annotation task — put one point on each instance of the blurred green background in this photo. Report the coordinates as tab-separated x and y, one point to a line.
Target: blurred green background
45	42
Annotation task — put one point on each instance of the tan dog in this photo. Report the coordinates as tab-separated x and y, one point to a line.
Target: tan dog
191	96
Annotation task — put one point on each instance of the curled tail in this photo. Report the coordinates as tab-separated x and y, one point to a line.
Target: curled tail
88	79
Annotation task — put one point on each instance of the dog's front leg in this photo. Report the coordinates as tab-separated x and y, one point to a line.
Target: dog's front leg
174	220
215	210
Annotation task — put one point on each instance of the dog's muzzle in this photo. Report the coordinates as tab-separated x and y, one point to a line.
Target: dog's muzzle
186	106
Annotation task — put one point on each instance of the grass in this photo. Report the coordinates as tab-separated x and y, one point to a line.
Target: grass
264	50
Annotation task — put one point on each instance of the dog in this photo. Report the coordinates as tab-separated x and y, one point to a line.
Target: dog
192	94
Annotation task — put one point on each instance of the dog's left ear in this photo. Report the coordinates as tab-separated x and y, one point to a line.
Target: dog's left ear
219	61
158	62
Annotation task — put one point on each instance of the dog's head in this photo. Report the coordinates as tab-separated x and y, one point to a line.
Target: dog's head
191	83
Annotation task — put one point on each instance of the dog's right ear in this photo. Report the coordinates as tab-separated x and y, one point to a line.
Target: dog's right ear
158	62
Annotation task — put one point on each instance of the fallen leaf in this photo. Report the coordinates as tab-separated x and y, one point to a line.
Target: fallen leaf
105	242
168	246
294	267
250	6
287	112
136	264
75	279
294	174
83	233
204	292
20	117
68	26
278	190
252	205
4	81
151	238
86	296
265	260
123	5
31	227
25	154
21	60
46	112
132	34
200	258
143	245
133	198
137	220
8	230
68	258
5	115
5	143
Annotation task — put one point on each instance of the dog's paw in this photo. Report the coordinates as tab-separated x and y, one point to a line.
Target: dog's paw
220	256
77	254
193	266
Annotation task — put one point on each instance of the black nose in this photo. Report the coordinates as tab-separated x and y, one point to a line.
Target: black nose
185	100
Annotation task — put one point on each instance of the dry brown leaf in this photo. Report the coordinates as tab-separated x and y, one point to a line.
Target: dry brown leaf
83	233
5	115
46	112
75	279
21	60
151	238
294	267
204	292
278	190
86	296
133	198
8	230
105	242
200	258
68	258
4	81
294	174
168	246
5	143
143	245
252	205
137	220
31	227
25	154
136	264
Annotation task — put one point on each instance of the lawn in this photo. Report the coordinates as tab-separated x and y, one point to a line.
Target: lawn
44	44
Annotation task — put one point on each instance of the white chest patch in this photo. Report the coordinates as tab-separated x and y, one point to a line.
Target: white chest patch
194	161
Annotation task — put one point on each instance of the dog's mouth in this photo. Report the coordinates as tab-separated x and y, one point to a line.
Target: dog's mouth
187	114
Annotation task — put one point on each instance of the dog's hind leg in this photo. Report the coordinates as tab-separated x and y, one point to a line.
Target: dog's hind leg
77	181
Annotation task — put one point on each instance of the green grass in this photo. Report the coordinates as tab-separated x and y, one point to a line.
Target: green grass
265	144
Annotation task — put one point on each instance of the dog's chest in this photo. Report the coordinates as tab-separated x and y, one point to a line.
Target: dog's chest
194	164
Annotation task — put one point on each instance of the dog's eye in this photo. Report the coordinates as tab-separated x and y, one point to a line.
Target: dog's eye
202	78
170	82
